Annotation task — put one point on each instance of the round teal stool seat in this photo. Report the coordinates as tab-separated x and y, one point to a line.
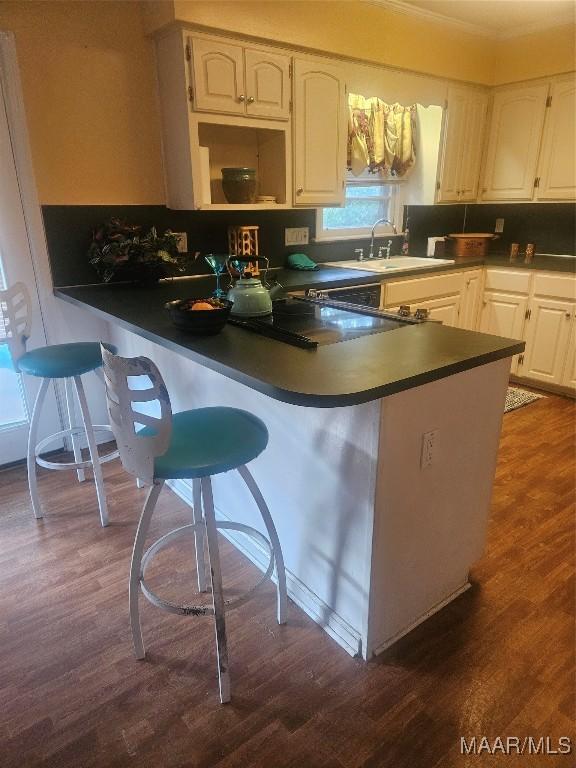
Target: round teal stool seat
61	361
208	441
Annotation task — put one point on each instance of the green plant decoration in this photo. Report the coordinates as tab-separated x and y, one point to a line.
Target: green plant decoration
118	249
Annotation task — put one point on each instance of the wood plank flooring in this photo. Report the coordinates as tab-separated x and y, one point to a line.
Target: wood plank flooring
499	661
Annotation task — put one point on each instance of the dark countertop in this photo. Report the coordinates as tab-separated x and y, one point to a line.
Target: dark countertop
347	373
544	263
339	277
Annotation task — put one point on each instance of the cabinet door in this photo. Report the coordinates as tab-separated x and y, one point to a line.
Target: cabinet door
476	108
558	158
569	374
547	334
462	145
267	84
452	145
319	133
503	314
470	304
514	142
445	309
218	76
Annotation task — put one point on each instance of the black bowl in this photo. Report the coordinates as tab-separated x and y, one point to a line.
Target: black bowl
203	322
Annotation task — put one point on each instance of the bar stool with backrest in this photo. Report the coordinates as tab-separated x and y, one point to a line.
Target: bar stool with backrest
192	445
54	362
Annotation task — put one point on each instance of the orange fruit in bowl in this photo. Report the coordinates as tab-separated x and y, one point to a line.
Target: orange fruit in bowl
202	305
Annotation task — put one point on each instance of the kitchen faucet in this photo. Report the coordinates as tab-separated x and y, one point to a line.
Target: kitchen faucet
380	221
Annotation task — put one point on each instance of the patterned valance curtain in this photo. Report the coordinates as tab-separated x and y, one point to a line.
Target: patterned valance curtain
381	137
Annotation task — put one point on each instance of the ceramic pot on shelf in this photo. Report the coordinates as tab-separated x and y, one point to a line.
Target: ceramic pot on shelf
239	184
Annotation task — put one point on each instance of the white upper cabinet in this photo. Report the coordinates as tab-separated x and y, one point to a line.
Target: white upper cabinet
320	132
218	76
514	142
267	84
461	152
557	169
231	79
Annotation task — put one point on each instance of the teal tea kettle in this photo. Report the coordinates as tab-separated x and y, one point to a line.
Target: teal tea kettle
250	297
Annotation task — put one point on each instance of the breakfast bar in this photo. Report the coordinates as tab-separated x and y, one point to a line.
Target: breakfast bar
381	458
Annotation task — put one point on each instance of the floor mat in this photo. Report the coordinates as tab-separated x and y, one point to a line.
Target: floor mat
516	398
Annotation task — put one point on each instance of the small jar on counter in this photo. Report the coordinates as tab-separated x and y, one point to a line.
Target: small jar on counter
514	251
529	253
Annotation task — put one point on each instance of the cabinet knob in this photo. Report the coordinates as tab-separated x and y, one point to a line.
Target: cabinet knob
568	315
299	190
250	99
241	97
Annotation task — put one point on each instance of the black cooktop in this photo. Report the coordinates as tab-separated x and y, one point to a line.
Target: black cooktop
309	324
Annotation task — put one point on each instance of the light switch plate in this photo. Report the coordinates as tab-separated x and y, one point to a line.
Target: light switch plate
499	226
296	235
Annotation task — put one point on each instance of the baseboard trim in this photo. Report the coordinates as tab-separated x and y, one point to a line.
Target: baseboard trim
333	624
438	607
542	386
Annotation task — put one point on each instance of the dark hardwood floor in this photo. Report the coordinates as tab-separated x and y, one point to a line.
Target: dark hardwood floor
499	661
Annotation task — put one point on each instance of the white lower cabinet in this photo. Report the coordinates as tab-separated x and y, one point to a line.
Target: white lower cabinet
569	374
446	309
547	331
535	306
470	300
452	297
503	314
538	307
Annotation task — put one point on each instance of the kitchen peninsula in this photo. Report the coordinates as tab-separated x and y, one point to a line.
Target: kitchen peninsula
378	530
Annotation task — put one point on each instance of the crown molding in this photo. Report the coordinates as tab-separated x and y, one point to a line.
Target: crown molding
475	29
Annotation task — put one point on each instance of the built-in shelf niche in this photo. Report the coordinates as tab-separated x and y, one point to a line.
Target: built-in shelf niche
238	146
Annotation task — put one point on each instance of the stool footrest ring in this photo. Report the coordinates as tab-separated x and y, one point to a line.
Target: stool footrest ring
202	610
60	465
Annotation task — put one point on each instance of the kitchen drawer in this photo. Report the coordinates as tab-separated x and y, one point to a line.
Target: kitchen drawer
507	280
418	289
558	286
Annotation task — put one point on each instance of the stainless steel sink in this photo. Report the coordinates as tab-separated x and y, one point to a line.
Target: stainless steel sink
388	265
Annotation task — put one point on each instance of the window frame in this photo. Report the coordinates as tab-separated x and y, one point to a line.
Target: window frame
362	233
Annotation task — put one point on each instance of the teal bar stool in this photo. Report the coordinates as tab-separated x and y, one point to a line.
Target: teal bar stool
192	445
67	362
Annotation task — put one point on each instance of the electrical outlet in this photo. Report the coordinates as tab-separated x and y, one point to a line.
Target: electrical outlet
499	226
428	456
296	236
183	242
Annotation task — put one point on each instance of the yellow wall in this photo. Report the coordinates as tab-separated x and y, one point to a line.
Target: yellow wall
361	30
89	83
549	52
90	97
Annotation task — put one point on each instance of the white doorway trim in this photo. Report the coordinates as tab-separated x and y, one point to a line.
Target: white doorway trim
31	227
13	94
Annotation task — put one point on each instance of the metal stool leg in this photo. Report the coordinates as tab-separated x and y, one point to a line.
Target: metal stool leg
31	458
217	594
135	567
72	424
96	468
199	535
282	596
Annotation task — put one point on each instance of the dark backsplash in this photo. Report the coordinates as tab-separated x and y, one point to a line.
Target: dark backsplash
550	226
68	231
69	227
